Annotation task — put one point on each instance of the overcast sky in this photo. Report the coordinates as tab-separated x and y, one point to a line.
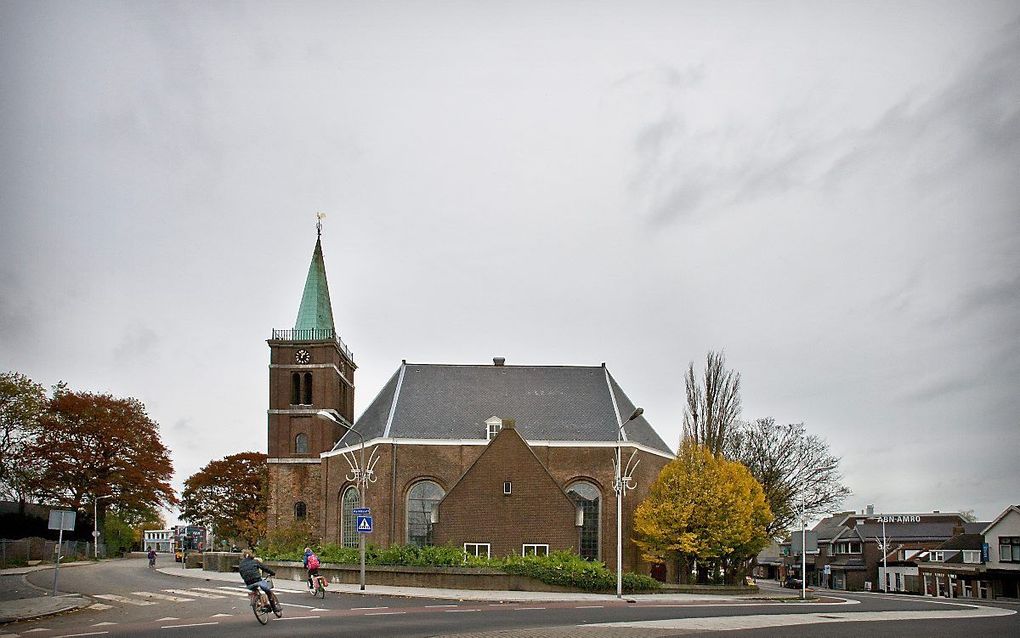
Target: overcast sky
828	191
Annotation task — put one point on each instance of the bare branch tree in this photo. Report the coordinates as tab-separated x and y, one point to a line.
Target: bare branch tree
796	470
713	406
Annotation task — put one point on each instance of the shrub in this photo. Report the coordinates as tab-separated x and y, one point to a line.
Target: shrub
562	568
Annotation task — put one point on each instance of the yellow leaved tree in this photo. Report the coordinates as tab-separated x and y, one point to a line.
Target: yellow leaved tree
703	507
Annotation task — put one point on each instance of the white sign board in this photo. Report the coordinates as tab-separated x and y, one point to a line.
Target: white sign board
62	520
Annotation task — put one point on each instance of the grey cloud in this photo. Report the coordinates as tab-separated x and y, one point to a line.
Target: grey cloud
979	111
138	344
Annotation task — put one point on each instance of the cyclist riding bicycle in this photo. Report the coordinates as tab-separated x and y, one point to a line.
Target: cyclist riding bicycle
251	570
152	557
312	565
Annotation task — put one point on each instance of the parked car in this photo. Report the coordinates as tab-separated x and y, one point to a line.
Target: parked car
792	582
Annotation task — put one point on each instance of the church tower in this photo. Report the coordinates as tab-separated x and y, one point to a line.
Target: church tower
310	369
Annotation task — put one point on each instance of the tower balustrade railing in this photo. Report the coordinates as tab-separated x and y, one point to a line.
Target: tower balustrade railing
312	334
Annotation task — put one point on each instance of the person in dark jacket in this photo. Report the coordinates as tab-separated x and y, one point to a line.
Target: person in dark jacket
251	570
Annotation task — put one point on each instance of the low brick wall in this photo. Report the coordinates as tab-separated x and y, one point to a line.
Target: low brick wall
434	577
392	575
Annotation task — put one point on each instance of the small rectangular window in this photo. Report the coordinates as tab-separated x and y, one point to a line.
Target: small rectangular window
507	488
481	550
972	556
492	429
534	549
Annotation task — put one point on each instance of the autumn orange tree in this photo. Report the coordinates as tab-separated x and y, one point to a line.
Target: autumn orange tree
229	495
706	508
89	445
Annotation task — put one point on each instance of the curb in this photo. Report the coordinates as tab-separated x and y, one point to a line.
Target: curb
70	602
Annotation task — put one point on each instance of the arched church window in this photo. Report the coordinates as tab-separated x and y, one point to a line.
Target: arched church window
301	443
308	389
587	498
300	510
348	527
421	499
295	389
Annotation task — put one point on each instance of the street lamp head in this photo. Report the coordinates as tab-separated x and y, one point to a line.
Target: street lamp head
638	412
326	414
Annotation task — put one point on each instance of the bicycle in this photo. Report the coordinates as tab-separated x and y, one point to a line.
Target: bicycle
318	586
260	604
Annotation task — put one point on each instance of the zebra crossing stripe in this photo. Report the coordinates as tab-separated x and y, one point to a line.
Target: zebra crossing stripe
235	592
176	599
122	599
100	606
197	594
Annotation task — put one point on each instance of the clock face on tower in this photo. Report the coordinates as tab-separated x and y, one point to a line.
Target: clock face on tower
302	356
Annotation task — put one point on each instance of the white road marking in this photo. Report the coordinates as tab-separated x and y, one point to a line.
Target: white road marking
196	594
168	618
32	631
195	624
93	633
365	608
589	607
176	599
458	611
530	609
299	617
122	599
385	613
733	623
296	605
221	616
103	624
316	609
428	606
209	590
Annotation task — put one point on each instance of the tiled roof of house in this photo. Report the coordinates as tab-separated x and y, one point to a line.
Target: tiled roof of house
964	541
923	531
548	403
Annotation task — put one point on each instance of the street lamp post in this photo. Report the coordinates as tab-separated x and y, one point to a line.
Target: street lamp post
621	483
95	525
361	478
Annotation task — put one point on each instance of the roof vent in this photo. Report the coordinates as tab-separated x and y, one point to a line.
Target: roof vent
870	511
498	361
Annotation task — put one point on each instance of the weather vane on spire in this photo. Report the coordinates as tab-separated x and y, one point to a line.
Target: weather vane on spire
318	225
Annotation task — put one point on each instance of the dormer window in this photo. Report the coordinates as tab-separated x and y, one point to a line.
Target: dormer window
492	427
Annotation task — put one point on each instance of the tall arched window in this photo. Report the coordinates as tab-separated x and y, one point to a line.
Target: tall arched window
587	497
300	510
348	528
301	444
308	389
421	498
295	389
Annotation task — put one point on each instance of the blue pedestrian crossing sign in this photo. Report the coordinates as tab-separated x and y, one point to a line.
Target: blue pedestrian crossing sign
364	524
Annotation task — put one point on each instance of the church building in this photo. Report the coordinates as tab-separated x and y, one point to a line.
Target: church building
496	458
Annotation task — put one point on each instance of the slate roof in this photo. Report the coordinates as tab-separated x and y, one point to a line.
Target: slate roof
548	403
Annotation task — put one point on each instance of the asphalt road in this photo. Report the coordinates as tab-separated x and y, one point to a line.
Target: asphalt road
133	600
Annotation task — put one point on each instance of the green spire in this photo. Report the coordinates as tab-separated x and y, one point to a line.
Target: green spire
315	312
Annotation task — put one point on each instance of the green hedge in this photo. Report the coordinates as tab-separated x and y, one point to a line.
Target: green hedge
562	568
